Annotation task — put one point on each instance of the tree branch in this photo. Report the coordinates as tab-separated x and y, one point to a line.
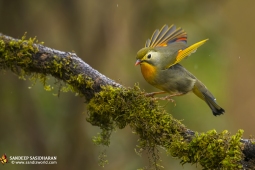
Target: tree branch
65	66
111	106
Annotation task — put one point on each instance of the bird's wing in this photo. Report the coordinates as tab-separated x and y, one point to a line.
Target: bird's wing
169	36
166	36
181	54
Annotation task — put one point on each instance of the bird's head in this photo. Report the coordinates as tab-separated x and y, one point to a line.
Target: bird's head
148	55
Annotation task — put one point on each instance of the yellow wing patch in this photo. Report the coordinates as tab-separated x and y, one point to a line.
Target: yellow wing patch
186	52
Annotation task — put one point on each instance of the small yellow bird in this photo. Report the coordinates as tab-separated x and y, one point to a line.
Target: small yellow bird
159	61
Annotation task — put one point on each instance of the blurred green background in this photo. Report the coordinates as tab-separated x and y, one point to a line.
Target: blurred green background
107	35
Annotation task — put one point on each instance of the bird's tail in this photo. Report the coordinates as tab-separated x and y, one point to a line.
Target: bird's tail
202	92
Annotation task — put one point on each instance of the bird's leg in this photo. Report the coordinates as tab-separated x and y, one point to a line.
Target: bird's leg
154	93
169	97
160	98
173	95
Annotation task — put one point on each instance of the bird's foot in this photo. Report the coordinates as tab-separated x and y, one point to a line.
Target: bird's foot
168	98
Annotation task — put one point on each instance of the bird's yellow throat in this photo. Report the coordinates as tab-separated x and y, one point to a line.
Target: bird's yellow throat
148	71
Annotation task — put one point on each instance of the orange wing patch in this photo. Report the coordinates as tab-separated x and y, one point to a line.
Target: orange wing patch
182	39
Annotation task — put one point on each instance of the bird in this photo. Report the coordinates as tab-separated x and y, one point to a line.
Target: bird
160	67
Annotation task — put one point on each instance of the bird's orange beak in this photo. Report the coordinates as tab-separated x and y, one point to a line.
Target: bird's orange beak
137	62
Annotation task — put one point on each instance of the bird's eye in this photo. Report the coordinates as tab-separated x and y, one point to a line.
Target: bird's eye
149	56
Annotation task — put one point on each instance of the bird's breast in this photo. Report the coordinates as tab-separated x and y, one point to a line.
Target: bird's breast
149	72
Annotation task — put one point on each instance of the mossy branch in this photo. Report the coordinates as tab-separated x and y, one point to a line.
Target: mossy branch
25	57
112	106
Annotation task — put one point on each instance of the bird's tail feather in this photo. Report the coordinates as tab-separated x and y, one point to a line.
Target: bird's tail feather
202	92
216	109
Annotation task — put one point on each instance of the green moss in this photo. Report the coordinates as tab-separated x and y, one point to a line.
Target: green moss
18	56
114	108
16	53
58	65
212	150
89	83
102	159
